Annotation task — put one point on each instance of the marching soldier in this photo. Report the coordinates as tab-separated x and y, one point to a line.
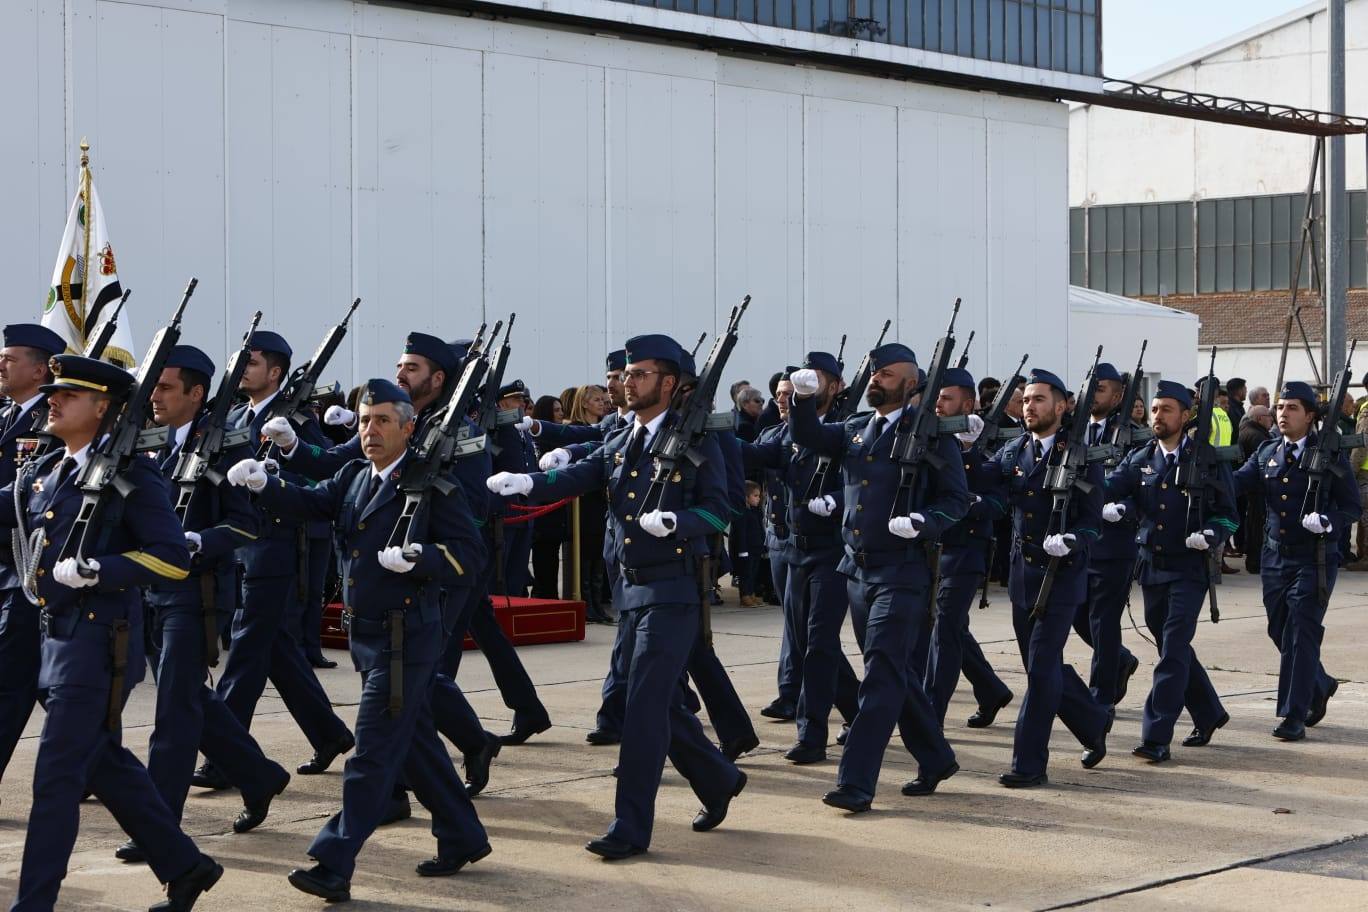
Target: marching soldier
815	598
190	716
1052	687
387	587
1111	564
963	565
783	707
888	574
1296	613
1173	571
656	592
262	645
92	647
23	371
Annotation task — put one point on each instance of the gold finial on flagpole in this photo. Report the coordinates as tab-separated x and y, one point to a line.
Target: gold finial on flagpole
85	152
88	226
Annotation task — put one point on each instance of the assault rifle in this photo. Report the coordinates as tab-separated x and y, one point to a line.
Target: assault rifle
292	402
1323	461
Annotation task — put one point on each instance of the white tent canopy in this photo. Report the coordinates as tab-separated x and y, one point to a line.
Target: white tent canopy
1119	325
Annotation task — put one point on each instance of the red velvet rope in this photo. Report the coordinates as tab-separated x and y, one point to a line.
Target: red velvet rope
531	513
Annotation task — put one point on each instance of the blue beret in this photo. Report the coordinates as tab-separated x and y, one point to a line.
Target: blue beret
263	340
432	348
1172	389
460	348
687	367
788	372
823	361
73	372
190	357
921	376
1107	371
516	388
1038	375
958	376
379	391
32	335
655	347
1299	389
892	353
616	360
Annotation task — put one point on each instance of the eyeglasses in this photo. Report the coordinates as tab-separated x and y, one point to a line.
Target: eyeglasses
636	375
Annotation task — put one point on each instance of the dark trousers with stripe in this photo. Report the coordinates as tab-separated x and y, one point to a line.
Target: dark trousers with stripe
1172	611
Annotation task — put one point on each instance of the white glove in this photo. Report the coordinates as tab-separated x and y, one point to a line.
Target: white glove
1060	545
279	432
68	573
525	423
805	382
339	416
558	458
657	523
509	484
1316	523
393	559
1198	541
909	526
248	472
1113	512
192	541
822	506
975	428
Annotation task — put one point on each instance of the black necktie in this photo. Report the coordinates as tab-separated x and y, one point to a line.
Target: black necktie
880	423
636	444
1095	433
1170	462
1293	456
374	488
1037	449
64	471
248	417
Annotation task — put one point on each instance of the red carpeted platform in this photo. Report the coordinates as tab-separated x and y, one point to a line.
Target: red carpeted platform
527	622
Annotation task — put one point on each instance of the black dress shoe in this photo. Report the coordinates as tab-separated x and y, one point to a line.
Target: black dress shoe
780	709
1123	679
1154	753
320	662
254	813
1318	708
802	753
710	817
1095	754
1023	781
521	731
321	882
182	892
130	852
398	809
843	734
738	746
926	785
600	736
210	778
847	799
985	715
1290	730
477	766
445	867
612	848
1201	737
324	756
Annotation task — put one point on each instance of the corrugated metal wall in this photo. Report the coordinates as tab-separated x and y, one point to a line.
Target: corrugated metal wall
296	153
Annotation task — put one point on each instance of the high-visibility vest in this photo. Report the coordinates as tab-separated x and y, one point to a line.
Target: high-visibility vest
1221	434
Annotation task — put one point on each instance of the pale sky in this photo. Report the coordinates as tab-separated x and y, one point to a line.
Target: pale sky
1139	34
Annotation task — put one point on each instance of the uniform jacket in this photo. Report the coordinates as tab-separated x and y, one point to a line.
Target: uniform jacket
872	553
20	444
811	538
964	546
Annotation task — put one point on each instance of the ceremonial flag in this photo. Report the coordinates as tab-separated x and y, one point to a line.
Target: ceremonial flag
85	280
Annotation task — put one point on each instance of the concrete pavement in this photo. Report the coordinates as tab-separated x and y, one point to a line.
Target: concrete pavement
1247	823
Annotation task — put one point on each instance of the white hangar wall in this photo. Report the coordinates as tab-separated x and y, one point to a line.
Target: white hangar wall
294	154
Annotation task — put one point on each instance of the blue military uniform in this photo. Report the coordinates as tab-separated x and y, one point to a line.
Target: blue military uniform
364	508
1111	565
262	644
657	594
789	676
815	598
190	716
963	564
1052	687
517	536
889	578
84	632
1296	614
1173	577
21	440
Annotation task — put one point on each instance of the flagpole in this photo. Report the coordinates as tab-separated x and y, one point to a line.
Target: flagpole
89	220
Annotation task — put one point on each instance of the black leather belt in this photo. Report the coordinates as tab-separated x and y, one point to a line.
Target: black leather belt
869	560
640	576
